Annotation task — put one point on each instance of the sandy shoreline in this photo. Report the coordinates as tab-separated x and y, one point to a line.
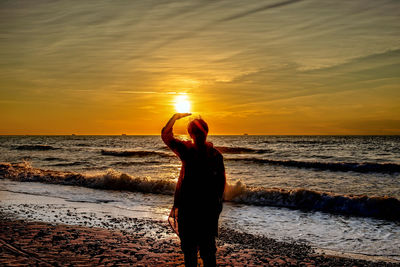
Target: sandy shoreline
29	242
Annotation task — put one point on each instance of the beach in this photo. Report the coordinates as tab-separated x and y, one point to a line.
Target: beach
49	231
289	200
147	243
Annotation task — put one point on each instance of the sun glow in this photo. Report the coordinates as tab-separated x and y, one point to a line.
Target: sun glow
182	104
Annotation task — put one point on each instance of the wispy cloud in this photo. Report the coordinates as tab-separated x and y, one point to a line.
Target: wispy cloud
215	23
316	61
256	10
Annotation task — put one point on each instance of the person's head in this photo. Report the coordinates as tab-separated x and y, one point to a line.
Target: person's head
198	130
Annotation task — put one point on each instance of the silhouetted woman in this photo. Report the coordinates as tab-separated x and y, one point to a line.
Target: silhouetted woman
199	191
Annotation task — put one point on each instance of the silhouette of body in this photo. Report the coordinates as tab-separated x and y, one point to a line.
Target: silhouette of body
199	191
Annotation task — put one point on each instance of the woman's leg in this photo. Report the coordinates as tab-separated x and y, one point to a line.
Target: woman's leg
189	248
207	251
190	258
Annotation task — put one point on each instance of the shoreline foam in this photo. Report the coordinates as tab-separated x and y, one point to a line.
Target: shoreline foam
387	208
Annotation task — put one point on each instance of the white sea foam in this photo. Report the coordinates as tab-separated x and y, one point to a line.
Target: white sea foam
369	206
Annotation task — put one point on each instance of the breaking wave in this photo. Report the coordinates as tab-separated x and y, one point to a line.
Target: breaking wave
128	153
112	180
360	205
363	167
35	147
368	206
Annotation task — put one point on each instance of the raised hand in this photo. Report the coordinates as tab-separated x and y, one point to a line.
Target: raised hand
178	116
170	123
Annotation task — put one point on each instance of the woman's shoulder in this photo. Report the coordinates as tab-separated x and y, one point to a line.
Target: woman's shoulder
214	151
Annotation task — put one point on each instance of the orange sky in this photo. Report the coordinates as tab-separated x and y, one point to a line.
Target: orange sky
256	67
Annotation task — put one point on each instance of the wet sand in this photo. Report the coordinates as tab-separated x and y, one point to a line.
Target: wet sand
25	242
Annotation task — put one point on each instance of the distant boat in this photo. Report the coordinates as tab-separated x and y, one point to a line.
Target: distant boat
73	134
245	134
123	134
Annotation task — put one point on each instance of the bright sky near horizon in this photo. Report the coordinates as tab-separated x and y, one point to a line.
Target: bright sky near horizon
256	67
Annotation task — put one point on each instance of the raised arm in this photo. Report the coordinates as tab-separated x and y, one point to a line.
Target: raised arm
171	122
167	135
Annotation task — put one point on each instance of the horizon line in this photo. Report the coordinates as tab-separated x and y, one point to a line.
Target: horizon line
208	135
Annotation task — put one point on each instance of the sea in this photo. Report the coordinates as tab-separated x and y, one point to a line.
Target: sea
336	193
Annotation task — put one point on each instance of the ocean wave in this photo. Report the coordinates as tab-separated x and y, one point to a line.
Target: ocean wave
368	206
35	147
319	141
132	163
241	150
111	179
67	164
129	153
363	167
233	150
83	144
53	159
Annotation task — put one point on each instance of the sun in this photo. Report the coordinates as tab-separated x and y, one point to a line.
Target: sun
182	104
